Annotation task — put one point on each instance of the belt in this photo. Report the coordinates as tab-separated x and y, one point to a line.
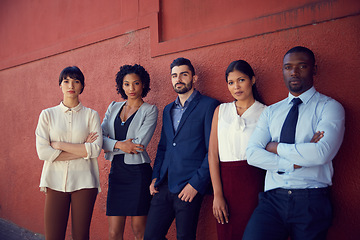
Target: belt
297	191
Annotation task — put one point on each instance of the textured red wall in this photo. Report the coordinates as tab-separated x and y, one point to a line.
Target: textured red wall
28	84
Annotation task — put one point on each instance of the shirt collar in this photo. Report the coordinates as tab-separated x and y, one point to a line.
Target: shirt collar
305	96
192	96
66	109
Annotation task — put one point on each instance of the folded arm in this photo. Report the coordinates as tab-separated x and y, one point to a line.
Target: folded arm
256	152
318	153
131	145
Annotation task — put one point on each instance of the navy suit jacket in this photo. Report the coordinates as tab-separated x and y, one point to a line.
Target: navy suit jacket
182	156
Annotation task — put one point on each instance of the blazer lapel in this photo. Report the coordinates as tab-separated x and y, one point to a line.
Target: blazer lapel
114	113
186	114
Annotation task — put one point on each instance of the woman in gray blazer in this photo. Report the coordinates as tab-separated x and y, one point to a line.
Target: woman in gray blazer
127	129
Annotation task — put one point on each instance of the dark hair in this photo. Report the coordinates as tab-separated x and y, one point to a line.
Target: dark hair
302	50
136	69
73	72
245	68
182	61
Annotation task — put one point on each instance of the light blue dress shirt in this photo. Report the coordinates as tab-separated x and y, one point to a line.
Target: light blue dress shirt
178	110
317	113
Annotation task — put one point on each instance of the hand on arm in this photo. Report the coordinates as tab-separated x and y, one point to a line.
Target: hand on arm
92	137
316	138
272	146
128	146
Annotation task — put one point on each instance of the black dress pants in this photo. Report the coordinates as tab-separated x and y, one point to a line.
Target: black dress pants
165	206
296	213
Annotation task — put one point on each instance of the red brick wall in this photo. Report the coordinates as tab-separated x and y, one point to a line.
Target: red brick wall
40	38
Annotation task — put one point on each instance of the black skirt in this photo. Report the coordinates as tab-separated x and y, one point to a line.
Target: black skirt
128	193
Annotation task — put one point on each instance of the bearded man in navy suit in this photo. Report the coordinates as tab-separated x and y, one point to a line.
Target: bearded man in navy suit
181	171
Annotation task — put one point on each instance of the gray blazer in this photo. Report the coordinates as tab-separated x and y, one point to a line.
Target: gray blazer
141	129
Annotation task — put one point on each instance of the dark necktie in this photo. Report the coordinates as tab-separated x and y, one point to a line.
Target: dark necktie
289	128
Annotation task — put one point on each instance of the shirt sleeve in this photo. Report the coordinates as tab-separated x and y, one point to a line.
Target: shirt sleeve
256	152
93	149
332	122
43	147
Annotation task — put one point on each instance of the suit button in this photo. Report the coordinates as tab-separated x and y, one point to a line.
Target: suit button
174	144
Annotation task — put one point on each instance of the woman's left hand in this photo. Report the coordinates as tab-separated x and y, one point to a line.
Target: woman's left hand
91	137
220	209
56	145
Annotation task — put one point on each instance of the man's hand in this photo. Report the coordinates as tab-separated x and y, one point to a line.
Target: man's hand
188	193
272	147
152	188
317	136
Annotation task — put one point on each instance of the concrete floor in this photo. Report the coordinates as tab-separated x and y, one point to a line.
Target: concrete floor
10	231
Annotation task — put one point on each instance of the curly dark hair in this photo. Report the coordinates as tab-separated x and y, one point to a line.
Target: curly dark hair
136	69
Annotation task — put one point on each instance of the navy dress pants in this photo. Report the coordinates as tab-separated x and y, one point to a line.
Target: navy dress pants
298	213
165	206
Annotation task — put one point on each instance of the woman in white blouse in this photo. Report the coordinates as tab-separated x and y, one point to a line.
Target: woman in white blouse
128	127
69	140
235	183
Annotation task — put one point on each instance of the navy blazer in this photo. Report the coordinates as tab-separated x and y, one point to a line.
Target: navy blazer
183	155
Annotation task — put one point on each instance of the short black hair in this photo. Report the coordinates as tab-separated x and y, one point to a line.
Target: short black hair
182	61
136	69
303	50
245	68
73	72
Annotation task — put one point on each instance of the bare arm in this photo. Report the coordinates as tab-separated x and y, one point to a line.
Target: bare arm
220	208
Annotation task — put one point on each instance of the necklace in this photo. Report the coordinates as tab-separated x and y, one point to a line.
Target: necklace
123	120
242	107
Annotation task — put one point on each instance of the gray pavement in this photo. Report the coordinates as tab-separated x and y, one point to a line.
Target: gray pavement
10	231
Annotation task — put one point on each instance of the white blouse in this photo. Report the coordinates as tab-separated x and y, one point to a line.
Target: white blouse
71	125
234	131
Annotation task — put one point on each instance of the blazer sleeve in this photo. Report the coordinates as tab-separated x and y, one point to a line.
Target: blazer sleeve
43	148
147	127
160	154
201	178
93	149
108	142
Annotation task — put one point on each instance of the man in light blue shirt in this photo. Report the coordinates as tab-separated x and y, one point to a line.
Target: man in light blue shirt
296	200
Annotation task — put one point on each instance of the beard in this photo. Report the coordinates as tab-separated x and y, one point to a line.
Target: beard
184	89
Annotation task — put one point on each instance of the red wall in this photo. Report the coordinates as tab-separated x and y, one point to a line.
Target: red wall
40	38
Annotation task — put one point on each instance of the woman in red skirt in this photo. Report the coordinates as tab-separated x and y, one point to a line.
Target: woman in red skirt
235	183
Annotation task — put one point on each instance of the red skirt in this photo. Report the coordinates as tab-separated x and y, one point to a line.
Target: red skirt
241	185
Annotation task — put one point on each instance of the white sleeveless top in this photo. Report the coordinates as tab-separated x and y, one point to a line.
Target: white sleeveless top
234	131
